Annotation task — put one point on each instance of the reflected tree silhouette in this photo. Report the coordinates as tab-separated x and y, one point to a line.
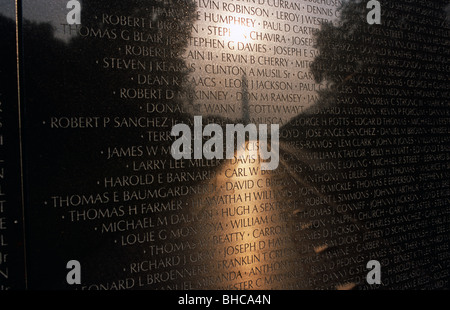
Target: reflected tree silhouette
71	79
370	70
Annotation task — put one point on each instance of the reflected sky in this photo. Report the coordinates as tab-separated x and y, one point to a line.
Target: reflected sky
7	8
272	50
53	12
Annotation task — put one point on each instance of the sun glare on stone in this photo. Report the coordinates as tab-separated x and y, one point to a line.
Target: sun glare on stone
239	33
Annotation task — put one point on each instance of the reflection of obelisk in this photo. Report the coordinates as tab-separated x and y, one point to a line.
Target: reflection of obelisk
245	99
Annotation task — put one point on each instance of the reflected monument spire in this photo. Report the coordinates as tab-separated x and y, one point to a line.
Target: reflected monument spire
245	101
